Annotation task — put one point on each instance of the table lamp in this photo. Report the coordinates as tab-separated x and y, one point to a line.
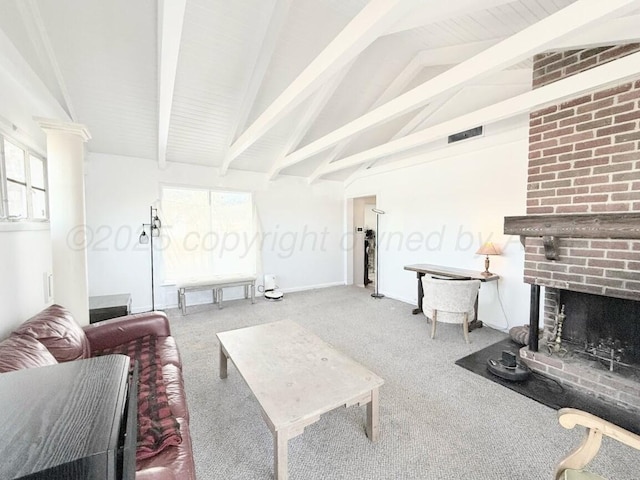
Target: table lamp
487	249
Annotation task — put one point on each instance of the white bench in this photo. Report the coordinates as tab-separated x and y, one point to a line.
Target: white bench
216	284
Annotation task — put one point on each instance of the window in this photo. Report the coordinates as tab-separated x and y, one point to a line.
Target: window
24	187
207	232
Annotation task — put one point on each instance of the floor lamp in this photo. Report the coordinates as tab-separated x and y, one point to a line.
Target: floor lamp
154	231
378	212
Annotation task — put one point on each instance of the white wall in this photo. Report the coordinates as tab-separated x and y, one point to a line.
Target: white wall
25	250
25	259
301	225
441	212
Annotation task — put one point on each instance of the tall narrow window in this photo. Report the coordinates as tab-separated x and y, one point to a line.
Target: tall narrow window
15	165
38	188
208	232
24	184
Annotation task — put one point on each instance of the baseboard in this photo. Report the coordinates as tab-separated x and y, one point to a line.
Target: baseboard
147	308
313	287
410	301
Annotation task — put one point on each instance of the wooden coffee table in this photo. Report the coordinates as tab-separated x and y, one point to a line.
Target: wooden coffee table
296	377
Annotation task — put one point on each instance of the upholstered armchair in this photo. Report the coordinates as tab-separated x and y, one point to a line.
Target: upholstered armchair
449	301
572	467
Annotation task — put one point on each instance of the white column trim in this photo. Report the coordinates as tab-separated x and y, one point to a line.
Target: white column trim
57	126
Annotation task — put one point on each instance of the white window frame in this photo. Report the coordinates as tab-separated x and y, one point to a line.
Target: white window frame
209	190
4	196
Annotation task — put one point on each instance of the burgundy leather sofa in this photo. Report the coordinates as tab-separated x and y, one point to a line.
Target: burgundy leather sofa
53	336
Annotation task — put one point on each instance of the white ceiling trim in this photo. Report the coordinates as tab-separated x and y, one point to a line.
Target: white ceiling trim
522	45
262	53
549	94
170	23
374	19
39	37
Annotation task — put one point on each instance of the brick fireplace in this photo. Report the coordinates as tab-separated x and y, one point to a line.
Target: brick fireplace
582	229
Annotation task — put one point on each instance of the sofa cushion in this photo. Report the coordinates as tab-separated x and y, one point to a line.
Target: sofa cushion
157	425
155	473
56	329
179	458
18	352
172	378
168	350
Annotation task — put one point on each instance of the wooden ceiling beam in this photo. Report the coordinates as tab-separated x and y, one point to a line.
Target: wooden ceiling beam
263	48
613	31
523	44
170	23
371	22
308	118
598	77
37	32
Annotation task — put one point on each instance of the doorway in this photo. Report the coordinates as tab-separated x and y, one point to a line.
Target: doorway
364	224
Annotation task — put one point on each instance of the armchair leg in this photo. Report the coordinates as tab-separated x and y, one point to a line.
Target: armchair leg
433	324
465	327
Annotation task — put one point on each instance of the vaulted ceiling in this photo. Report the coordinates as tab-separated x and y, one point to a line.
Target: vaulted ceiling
314	88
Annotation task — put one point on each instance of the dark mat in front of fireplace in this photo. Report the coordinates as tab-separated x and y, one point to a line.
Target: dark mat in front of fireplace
546	390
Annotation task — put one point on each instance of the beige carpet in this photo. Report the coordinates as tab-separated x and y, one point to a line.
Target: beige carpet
438	421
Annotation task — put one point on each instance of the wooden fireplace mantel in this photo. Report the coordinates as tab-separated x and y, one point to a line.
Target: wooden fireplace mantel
552	227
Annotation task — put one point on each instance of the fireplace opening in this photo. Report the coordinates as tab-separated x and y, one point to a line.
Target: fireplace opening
603	329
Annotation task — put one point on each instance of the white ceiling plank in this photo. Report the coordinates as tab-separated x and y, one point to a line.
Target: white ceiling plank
170	23
443	10
400	82
34	25
372	21
598	77
310	115
515	48
611	32
264	47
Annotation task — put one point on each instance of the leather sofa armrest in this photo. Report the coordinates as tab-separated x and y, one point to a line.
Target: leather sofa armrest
155	473
110	333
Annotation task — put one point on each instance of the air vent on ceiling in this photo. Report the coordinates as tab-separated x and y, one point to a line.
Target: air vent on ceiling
473	132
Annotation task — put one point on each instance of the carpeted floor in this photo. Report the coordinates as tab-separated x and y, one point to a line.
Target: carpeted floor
547	391
437	421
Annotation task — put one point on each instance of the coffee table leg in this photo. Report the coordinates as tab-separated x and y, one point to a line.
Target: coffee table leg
223	363
373	431
280	453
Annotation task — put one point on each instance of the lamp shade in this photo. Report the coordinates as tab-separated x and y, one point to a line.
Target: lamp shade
488	249
143	238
